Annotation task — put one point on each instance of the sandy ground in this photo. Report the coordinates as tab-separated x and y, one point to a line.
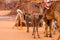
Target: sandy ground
8	33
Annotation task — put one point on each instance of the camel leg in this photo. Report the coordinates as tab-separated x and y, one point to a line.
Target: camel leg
50	28
46	31
34	32
34	29
37	24
50	32
37	31
27	27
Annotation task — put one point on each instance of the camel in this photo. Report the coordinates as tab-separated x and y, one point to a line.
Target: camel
36	13
54	10
48	17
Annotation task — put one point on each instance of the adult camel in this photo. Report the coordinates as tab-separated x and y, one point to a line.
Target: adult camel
50	14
